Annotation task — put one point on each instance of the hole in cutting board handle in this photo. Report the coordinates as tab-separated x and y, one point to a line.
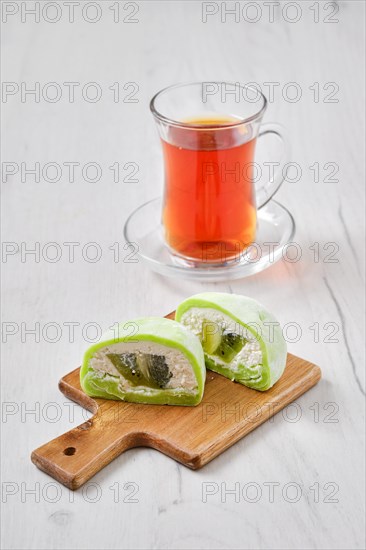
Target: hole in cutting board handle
69	451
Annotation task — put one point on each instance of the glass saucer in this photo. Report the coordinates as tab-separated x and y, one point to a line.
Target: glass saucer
276	228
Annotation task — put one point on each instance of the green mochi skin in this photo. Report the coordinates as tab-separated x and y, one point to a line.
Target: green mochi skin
151	329
246	312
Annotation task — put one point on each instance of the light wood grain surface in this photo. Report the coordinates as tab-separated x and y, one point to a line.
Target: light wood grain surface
295	482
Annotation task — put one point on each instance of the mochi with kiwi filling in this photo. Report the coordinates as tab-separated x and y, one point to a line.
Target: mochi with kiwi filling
240	338
151	360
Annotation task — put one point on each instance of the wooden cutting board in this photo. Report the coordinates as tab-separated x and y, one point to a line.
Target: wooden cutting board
190	435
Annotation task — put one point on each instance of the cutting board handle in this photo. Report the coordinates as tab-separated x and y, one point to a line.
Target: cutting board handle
74	457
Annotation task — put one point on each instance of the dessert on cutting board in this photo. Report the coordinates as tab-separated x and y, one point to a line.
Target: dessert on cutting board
159	361
164	362
240	338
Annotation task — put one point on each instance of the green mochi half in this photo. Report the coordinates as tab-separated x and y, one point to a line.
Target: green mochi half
253	317
154	330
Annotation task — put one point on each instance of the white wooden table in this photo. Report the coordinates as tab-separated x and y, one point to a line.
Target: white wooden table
298	479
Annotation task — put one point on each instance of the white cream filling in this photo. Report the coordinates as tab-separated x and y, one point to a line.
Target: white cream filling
250	355
183	377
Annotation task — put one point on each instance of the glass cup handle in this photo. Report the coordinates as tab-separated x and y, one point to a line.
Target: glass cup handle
278	174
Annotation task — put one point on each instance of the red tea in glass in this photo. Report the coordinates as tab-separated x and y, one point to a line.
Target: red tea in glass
210	204
209	210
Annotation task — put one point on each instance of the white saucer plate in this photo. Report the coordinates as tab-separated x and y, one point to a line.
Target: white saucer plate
275	230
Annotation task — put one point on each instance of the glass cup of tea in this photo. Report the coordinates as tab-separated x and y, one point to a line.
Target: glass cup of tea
208	132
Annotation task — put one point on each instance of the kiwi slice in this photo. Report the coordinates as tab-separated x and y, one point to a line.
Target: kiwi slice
211	336
230	345
158	370
144	370
235	341
126	364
